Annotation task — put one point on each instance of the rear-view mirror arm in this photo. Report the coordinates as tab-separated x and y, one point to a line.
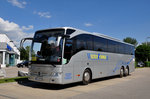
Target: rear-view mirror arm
23	40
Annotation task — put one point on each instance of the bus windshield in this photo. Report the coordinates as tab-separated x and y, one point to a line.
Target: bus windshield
47	47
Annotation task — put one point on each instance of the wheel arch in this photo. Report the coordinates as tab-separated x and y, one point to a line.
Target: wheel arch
123	67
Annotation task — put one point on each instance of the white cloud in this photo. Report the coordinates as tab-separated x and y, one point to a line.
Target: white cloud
30	27
17	3
13	31
88	24
43	14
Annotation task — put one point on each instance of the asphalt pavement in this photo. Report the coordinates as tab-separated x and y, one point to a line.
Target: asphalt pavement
12	71
135	86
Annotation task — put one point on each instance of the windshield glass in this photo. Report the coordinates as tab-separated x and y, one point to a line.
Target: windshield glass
47	47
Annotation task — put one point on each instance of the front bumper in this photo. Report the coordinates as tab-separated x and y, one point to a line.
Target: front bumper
46	79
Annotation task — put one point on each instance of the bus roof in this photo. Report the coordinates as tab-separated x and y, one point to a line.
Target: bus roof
78	31
98	34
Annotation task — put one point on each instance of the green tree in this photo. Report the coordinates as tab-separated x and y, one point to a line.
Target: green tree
24	53
146	43
131	41
27	51
142	53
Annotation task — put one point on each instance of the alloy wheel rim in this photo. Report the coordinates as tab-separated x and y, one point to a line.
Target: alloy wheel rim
86	76
121	71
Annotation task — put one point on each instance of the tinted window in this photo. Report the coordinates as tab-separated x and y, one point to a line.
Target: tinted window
127	49
89	41
121	48
100	44
131	51
70	31
76	44
84	42
81	43
68	49
113	46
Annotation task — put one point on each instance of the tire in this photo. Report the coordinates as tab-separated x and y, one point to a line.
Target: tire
121	72
126	71
86	77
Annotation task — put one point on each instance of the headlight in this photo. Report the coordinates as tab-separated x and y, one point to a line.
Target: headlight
56	74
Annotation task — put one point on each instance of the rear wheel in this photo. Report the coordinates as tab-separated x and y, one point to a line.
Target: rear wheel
86	77
126	71
121	72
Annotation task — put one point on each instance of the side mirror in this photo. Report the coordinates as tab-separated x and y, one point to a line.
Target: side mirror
23	40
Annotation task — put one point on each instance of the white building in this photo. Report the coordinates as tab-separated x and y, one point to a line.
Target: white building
9	53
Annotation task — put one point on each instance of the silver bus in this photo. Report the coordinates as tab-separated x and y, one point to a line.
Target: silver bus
66	55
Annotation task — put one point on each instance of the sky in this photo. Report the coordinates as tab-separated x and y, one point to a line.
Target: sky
115	18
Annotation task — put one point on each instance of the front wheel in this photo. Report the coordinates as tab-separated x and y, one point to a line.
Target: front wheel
86	77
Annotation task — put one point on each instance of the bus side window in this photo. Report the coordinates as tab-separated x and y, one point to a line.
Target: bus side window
132	50
80	43
100	44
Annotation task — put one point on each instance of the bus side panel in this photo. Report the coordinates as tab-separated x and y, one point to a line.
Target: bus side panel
132	67
83	60
114	64
68	73
79	68
100	65
80	64
132	64
119	60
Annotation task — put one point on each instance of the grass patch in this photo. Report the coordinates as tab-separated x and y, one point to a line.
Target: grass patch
16	79
139	67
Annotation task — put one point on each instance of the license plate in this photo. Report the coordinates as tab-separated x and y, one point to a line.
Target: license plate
39	78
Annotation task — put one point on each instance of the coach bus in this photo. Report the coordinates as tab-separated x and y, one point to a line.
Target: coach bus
66	55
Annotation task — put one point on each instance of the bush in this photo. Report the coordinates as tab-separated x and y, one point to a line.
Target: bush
142	53
7	65
147	64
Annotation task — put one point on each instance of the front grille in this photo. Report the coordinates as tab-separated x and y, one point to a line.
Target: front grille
41	70
39	74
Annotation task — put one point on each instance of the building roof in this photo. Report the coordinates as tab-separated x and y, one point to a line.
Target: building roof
7	44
